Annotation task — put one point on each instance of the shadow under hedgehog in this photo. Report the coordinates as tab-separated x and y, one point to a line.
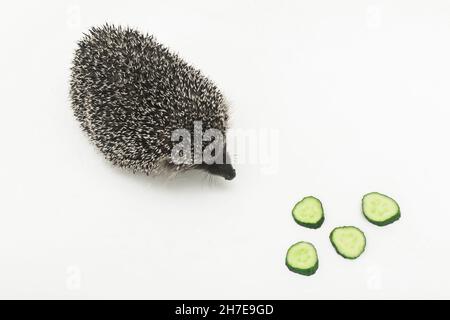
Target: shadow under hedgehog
131	93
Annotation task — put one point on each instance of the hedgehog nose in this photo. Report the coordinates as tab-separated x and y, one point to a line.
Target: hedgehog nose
231	175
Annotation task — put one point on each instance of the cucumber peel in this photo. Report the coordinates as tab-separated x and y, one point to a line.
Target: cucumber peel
380	209
309	213
349	242
302	258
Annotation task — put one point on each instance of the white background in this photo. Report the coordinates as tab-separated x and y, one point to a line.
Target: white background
358	92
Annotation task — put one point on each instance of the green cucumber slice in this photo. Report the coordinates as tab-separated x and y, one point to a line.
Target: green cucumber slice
302	258
349	242
380	209
309	213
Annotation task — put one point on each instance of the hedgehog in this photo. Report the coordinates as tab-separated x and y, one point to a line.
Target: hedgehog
131	93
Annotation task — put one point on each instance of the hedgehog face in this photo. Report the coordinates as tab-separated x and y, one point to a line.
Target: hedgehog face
224	170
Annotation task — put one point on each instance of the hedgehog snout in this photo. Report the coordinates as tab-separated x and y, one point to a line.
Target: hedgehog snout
230	172
224	170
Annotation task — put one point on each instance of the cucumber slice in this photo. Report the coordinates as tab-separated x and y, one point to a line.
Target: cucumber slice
302	258
349	242
380	209
309	213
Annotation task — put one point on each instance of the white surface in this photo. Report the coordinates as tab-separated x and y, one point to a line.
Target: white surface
358	92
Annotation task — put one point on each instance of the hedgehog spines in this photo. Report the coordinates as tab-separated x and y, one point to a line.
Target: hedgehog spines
130	93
